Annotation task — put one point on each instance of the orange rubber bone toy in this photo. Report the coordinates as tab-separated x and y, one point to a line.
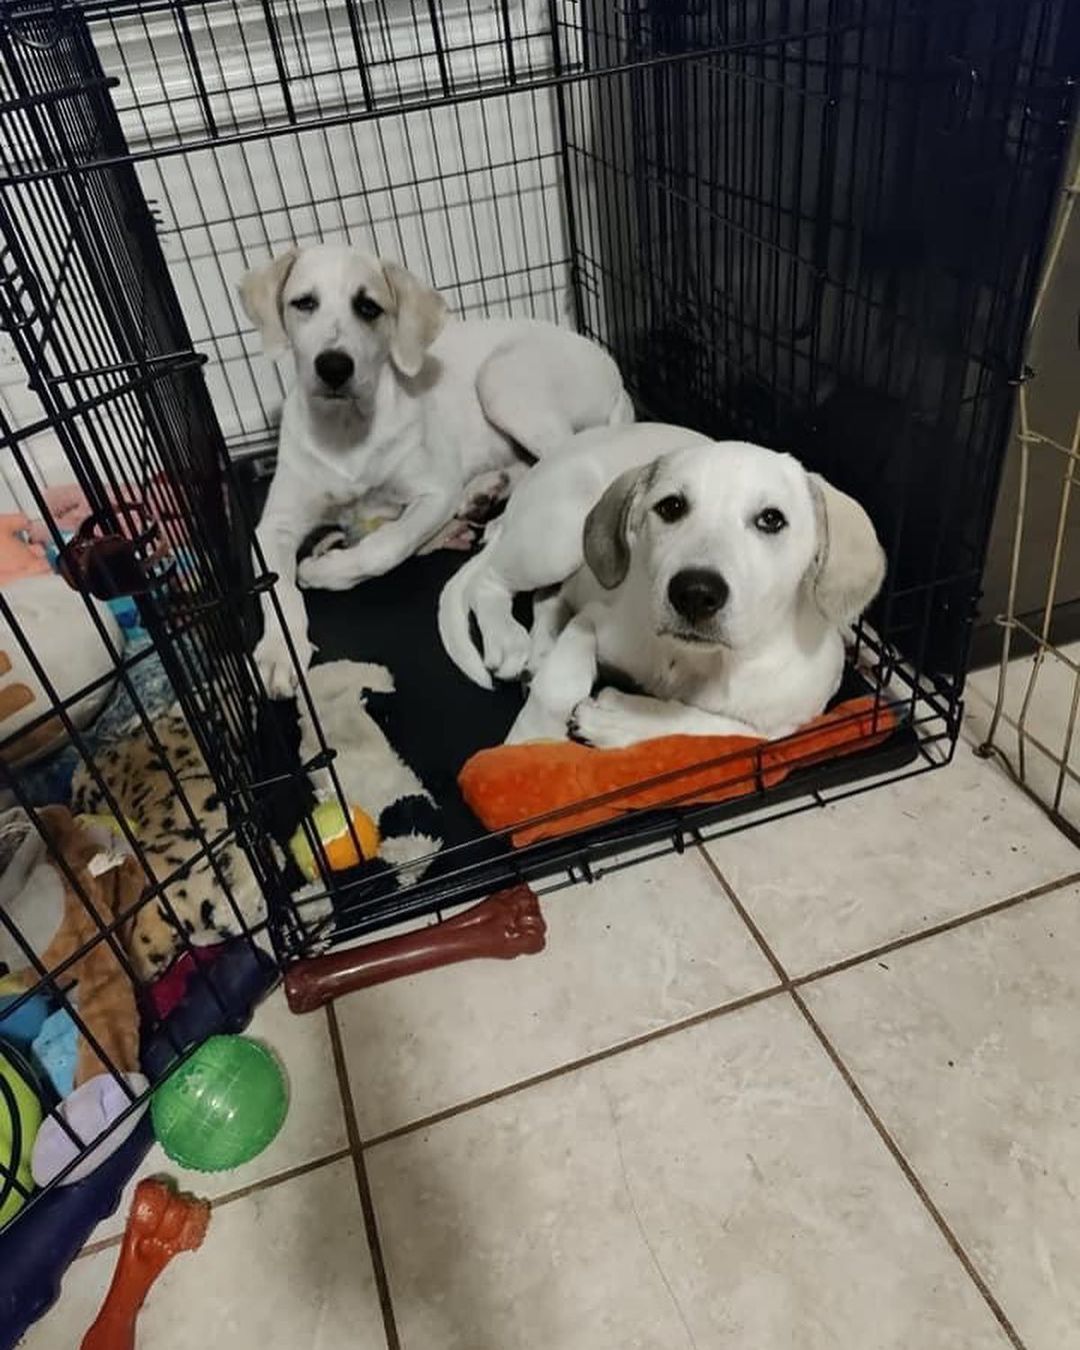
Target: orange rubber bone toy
160	1225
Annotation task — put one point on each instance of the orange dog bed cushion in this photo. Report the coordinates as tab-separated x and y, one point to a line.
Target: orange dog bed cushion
551	788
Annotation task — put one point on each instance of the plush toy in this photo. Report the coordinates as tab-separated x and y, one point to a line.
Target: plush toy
481	501
58	923
19	555
134	771
372	776
551	788
55	623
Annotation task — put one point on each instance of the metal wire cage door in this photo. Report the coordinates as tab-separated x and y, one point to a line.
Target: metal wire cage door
815	225
124	665
1039	665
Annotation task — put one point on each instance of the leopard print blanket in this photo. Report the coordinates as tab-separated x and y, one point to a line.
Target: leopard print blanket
193	899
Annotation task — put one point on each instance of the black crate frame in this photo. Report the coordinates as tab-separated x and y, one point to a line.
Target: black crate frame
671	236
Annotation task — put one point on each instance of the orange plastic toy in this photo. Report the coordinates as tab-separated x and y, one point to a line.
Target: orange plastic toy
550	788
160	1225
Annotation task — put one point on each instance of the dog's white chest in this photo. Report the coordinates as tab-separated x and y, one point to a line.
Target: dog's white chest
366	475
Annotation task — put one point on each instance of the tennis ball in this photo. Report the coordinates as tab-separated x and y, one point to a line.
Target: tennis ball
329	823
20	1119
108	824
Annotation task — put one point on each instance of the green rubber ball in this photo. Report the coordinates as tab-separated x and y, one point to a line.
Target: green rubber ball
222	1106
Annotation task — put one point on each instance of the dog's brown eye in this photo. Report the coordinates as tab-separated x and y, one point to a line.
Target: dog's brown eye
770	521
306	304
365	308
673	508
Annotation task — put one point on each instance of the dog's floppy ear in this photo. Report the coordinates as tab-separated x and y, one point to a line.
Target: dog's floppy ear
850	563
260	295
418	320
608	526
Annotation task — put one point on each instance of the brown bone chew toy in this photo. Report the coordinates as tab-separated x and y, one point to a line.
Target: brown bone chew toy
505	925
161	1224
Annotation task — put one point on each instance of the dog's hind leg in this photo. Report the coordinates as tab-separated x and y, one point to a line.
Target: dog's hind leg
543	386
521	407
486	493
481	501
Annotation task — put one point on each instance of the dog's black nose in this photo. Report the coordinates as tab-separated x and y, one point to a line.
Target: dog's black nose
333	368
697	593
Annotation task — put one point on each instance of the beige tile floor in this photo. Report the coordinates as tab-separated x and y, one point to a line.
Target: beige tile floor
816	1088
1051	724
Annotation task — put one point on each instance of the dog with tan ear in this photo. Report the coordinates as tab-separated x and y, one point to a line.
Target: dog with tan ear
399	414
719	579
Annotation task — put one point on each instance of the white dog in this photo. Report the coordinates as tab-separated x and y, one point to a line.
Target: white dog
721	578
395	412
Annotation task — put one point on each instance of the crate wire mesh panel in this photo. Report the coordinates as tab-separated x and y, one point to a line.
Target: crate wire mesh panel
815	225
116	419
468	192
1044	757
828	239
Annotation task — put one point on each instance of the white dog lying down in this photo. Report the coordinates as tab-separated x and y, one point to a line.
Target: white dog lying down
398	411
721	578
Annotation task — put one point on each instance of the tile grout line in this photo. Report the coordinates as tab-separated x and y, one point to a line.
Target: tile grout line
895	944
935	930
879	1126
910	1174
784	985
367	1203
572	1066
751	927
229	1197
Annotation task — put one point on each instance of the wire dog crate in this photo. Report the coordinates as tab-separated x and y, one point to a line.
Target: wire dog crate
1043	755
817	225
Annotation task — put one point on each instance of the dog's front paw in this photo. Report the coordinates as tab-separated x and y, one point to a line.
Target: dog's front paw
327	572
604	721
276	667
541	641
536	723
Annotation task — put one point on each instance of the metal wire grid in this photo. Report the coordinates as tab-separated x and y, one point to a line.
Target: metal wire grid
114	369
579	135
1047	765
117	384
769	258
762	267
278	63
467	191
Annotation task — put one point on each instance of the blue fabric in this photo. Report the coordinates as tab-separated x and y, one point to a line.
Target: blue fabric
22	1026
55	1050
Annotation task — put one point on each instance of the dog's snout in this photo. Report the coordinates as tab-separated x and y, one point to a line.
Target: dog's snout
697	593
334	368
